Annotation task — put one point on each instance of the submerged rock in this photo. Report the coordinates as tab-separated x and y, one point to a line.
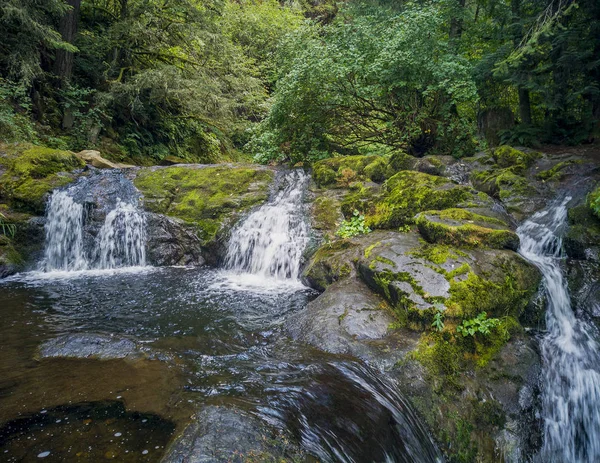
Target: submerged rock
222	434
87	345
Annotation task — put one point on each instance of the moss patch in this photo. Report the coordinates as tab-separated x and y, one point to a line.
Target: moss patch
507	156
204	197
460	227
32	172
344	170
408	193
557	173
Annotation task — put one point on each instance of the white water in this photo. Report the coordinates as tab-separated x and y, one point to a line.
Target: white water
570	354
122	238
268	245
64	234
120	241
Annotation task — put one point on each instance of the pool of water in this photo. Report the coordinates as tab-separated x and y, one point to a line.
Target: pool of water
148	364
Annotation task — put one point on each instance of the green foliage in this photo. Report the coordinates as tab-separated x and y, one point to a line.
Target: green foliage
478	325
6	228
594	201
438	317
353	227
374	76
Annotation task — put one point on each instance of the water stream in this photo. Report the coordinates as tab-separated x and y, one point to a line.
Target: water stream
119	242
184	353
570	354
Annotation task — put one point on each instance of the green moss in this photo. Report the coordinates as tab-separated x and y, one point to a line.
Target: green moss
476	294
341	171
437	253
359	199
487	347
203	197
329	264
32	172
325	213
501	183
401	161
593	201
377	170
507	156
460	227
556	173
370	248
408	193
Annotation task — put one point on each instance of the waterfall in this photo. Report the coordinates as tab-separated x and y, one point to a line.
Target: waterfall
64	234
270	242
570	355
120	241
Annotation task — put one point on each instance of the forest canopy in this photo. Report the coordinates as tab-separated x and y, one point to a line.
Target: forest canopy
215	80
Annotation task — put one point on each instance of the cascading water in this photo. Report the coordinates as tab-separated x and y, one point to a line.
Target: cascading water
64	234
570	354
120	240
270	242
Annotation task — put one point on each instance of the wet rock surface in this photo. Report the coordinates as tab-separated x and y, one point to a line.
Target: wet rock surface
87	345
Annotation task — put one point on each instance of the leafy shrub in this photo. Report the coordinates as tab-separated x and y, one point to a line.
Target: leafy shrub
594	201
438	318
480	324
353	227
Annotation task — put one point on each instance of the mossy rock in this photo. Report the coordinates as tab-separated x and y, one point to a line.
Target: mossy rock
593	201
558	171
582	239
414	276
32	172
326	214
342	171
203	196
460	227
408	193
332	262
507	156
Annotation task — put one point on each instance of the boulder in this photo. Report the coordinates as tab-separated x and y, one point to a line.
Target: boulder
94	158
171	242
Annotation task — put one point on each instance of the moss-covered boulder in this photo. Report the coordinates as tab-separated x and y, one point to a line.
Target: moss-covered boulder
408	193
31	172
507	156
207	198
344	170
461	227
415	276
582	239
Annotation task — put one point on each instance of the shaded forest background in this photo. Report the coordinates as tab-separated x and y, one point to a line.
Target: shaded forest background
298	80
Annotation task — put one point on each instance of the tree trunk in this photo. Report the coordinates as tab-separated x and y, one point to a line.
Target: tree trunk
456	23
63	65
524	106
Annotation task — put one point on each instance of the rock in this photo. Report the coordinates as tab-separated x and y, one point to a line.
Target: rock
583	277
341	171
171	242
94	158
349	319
172	160
32	172
222	434
88	345
408	193
582	239
460	227
207	199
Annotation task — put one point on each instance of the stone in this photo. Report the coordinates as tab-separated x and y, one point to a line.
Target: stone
95	159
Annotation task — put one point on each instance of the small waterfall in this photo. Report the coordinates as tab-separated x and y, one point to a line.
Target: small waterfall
64	234
76	241
270	242
570	355
122	238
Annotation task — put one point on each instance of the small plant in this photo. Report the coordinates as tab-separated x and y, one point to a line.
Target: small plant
404	229
438	318
480	324
7	229
355	226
